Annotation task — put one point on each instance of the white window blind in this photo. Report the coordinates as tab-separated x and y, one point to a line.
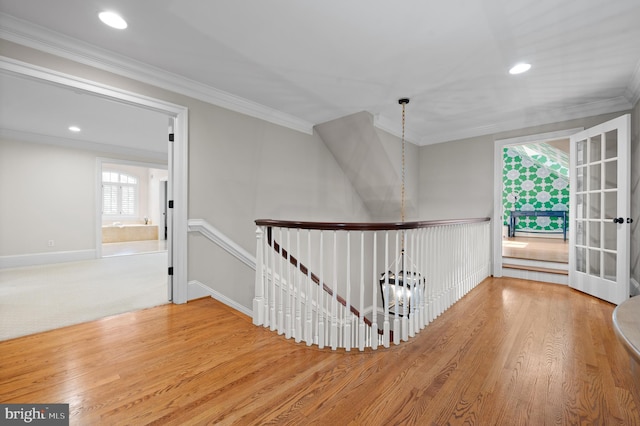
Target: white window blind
119	194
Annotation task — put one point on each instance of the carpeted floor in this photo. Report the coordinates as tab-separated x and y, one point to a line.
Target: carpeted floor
40	298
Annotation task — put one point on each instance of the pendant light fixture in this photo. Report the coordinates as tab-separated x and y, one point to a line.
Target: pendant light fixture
401	287
403	102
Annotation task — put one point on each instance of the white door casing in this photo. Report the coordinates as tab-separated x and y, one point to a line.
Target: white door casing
599	210
178	169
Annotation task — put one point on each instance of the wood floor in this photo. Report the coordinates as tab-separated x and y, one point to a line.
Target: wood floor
536	248
510	352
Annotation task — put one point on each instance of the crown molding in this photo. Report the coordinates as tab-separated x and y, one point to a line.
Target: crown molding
557	115
39	38
383	123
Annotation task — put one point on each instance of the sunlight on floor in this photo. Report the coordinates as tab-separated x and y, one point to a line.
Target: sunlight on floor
514	244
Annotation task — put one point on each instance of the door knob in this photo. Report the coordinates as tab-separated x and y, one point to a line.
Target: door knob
618	220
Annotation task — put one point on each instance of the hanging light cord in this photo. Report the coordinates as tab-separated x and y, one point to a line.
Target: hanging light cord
403	102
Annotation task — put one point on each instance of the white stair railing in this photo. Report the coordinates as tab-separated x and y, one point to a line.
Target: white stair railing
355	285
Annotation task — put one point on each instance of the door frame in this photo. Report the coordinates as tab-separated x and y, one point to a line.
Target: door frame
498	165
100	162
178	168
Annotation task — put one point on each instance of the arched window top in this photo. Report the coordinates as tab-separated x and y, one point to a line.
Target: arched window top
118	177
119	194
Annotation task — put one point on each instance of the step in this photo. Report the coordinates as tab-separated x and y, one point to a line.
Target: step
536	268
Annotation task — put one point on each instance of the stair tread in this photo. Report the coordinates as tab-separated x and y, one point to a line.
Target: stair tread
536	269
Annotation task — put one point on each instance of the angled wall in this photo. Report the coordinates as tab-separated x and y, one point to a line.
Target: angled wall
372	160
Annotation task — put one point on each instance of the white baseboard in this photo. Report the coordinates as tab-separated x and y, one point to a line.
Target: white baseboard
196	290
46	258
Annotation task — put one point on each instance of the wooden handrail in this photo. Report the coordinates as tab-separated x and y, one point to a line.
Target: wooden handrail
362	226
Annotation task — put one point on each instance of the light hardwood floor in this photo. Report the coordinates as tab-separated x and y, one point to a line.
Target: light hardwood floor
536	248
510	352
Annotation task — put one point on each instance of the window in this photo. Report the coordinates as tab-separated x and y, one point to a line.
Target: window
119	194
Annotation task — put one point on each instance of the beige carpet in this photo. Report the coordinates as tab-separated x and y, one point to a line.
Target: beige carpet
40	298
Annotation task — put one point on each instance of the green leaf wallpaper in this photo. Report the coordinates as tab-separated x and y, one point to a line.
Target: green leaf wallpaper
535	177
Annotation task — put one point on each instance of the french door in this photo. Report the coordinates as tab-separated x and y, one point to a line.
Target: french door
599	210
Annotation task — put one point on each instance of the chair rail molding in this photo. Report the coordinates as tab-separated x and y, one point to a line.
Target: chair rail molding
219	238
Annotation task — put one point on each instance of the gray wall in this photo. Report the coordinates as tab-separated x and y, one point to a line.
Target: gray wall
456	178
240	169
48	193
51	191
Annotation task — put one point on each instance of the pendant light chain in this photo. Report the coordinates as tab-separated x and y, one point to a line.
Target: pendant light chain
402	207
403	102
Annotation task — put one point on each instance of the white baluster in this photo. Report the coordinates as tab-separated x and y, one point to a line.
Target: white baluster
386	328
258	298
282	284
320	308
431	274
308	330
396	319
298	294
374	315
413	311
266	250
347	322
361	325
334	299
288	289
274	253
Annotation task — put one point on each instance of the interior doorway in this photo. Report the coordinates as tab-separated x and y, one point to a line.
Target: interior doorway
531	201
174	164
132	218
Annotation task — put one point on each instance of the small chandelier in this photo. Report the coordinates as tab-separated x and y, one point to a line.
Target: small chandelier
402	287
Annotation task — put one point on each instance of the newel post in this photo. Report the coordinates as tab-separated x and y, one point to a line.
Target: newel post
258	299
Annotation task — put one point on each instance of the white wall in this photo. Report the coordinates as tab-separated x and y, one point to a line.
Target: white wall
47	194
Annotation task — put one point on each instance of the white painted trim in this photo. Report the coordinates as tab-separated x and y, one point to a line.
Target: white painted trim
40	38
395	129
180	171
538	263
18	261
497	222
198	290
536	276
216	236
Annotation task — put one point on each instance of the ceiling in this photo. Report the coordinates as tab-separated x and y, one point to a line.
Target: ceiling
302	63
36	111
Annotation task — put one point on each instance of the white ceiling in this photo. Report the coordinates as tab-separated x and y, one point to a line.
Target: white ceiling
301	63
36	111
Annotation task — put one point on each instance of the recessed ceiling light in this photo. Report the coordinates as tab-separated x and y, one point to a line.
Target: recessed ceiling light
113	20
74	128
520	68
